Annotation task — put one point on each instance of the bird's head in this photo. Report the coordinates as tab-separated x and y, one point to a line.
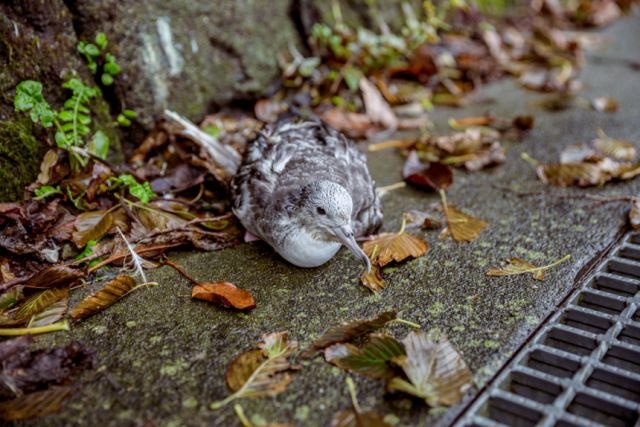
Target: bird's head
327	208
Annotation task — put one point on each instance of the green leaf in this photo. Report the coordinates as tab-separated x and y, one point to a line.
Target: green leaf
112	68
66	115
123	121
84	119
106	79
29	98
308	66
129	114
109	58
87	251
101	40
61	139
142	191
352	77
99	145
46	191
91	50
93	67
371	360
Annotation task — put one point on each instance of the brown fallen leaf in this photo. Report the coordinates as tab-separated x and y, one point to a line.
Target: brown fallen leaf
432	176
225	294
36	404
387	247
269	377
519	266
48	277
354	125
39	302
377	109
604	104
109	294
634	214
462	227
570	174
348	331
434	370
373	279
371	359
91	226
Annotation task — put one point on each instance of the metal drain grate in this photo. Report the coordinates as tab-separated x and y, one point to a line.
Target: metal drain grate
582	368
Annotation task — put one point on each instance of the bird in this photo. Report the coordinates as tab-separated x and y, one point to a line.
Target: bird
305	189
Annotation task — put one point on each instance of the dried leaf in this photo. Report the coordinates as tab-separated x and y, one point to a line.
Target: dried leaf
569	174
462	227
348	331
634	214
48	163
375	105
371	360
433	176
91	226
414	218
387	247
225	294
54	276
51	314
519	266
36	404
109	294
354	125
241	368
604	104
373	279
40	301
435	370
269	377
24	370
616	148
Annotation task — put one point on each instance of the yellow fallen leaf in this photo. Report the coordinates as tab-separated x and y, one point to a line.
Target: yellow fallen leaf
373	279
387	247
518	266
462	227
568	174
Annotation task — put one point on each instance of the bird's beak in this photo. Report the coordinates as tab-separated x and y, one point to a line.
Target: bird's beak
346	237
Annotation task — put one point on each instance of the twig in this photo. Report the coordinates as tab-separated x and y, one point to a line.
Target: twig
181	271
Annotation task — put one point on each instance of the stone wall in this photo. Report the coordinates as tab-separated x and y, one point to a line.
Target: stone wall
186	55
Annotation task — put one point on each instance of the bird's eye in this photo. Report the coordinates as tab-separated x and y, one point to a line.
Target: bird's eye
321	211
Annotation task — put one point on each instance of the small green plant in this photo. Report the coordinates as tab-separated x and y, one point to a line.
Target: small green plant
99	61
71	123
46	191
103	64
142	192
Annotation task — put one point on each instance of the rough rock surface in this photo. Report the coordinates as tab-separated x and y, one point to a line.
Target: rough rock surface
189	56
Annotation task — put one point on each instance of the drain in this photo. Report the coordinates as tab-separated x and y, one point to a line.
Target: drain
582	368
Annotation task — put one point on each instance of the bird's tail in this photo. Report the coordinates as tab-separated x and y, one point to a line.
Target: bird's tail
225	159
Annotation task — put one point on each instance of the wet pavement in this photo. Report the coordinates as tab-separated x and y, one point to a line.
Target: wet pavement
164	356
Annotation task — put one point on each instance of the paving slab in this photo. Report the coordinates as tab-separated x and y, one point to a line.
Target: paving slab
164	356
